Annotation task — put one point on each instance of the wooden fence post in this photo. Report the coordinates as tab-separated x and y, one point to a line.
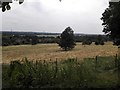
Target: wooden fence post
76	59
56	68
116	58
44	61
96	61
119	51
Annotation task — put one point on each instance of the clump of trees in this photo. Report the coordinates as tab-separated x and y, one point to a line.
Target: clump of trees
67	39
98	39
22	39
19	40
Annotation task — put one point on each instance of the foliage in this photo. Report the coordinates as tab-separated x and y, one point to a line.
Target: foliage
99	43
86	42
63	74
116	42
111	21
34	40
5	5
99	40
20	38
67	39
91	38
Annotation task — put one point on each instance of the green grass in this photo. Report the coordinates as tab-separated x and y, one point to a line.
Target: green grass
69	73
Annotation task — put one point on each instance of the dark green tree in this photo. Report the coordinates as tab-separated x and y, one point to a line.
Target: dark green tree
67	39
111	21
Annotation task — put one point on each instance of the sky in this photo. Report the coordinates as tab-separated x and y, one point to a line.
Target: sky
83	16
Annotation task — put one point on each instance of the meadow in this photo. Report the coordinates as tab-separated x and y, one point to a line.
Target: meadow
53	52
48	66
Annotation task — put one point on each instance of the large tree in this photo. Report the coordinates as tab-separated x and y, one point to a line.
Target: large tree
111	21
67	40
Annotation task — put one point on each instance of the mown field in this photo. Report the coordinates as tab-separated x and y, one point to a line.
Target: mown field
53	51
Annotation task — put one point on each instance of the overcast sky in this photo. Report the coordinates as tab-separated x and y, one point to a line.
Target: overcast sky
83	16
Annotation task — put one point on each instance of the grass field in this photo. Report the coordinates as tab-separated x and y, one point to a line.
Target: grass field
53	51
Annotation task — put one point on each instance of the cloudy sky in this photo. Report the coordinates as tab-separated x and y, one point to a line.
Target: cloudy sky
83	16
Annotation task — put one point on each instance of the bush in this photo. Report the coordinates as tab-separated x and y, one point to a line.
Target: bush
87	42
116	42
99	43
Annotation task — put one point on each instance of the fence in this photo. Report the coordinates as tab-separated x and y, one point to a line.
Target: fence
66	73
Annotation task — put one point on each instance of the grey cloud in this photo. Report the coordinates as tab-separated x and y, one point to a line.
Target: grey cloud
34	16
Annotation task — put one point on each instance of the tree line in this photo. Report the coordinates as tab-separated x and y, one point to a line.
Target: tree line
21	38
25	39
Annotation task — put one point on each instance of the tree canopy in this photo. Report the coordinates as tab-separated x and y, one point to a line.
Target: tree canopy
5	4
67	40
111	21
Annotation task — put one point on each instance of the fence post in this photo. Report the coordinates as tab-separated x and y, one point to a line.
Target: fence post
44	61
118	51
116	60
76	59
96	60
56	68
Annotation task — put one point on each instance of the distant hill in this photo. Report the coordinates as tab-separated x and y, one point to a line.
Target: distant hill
28	33
40	33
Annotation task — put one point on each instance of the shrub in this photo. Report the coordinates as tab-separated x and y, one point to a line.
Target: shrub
99	43
87	42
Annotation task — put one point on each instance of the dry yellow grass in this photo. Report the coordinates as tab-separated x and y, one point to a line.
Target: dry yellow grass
53	51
